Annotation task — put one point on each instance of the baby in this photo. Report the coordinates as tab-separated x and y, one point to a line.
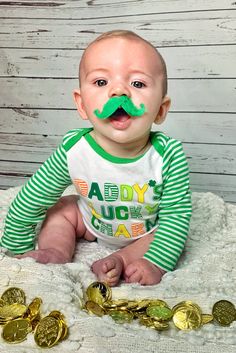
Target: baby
132	183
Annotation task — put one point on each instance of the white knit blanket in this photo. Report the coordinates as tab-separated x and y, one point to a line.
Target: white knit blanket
205	274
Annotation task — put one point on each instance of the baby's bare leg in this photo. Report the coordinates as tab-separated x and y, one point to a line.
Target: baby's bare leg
57	238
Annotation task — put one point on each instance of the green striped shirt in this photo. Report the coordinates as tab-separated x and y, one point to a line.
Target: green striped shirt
45	187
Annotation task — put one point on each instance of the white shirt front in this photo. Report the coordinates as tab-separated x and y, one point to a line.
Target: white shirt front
119	198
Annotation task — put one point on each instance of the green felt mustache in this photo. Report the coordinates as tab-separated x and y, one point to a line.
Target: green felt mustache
119	102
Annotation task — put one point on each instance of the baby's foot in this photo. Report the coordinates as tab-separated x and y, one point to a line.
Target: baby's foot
45	256
109	269
144	272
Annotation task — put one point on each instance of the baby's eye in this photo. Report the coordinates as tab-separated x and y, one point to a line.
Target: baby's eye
101	83
138	84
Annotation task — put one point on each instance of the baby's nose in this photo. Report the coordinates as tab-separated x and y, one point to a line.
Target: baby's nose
119	90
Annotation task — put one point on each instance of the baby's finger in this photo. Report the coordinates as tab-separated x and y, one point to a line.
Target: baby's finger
113	281
130	269
143	281
135	277
112	273
108	265
132	274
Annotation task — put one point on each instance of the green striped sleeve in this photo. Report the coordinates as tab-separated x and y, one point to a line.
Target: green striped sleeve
174	209
31	203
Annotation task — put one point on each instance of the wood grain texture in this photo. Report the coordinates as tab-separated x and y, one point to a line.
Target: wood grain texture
35	149
99	8
207	95
182	62
163	30
215	128
41	43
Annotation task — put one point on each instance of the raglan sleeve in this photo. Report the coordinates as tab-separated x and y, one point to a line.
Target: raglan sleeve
174	209
31	203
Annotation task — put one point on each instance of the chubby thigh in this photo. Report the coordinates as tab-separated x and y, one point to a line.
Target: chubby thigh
66	211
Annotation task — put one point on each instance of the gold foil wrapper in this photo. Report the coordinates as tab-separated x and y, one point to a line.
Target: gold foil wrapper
155	313
19	320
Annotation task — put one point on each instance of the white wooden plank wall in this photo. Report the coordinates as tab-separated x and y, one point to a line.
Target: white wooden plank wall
41	43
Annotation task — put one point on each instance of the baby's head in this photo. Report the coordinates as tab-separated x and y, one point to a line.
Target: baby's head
121	63
132	36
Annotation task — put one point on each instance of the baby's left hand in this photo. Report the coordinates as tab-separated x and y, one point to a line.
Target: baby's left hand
144	272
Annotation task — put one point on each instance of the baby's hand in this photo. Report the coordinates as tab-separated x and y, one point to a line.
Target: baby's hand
144	272
45	256
108	269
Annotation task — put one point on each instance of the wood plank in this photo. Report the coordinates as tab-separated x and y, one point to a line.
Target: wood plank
19	168
188	127
203	158
222	185
206	95
201	127
39	121
27	148
93	9
7	182
163	30
182	62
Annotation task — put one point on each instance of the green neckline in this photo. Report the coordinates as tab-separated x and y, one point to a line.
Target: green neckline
97	148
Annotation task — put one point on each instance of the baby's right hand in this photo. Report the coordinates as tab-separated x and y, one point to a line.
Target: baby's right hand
45	256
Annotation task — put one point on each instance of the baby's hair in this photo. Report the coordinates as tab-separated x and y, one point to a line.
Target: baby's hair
130	34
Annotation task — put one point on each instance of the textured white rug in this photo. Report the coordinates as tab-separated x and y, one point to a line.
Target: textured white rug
206	273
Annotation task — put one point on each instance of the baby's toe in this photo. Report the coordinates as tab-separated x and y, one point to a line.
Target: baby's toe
108	265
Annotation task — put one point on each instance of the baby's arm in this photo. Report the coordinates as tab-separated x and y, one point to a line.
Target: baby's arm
147	259
30	205
174	209
56	242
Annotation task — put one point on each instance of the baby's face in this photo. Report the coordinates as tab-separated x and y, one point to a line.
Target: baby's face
121	66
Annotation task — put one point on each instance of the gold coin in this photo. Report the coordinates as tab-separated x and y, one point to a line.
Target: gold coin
64	332
160	326
142	304
132	304
2	303
59	316
187	318
121	316
206	318
185	304
48	332
159	313
16	331
94	308
98	292
146	320
13	295
34	308
115	303
224	312
12	311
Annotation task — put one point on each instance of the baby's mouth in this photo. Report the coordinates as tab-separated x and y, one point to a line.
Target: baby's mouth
119	115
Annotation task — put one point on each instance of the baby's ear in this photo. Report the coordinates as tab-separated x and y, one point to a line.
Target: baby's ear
79	104
164	108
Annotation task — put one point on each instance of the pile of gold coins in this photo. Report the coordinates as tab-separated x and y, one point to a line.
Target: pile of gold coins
155	313
18	320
